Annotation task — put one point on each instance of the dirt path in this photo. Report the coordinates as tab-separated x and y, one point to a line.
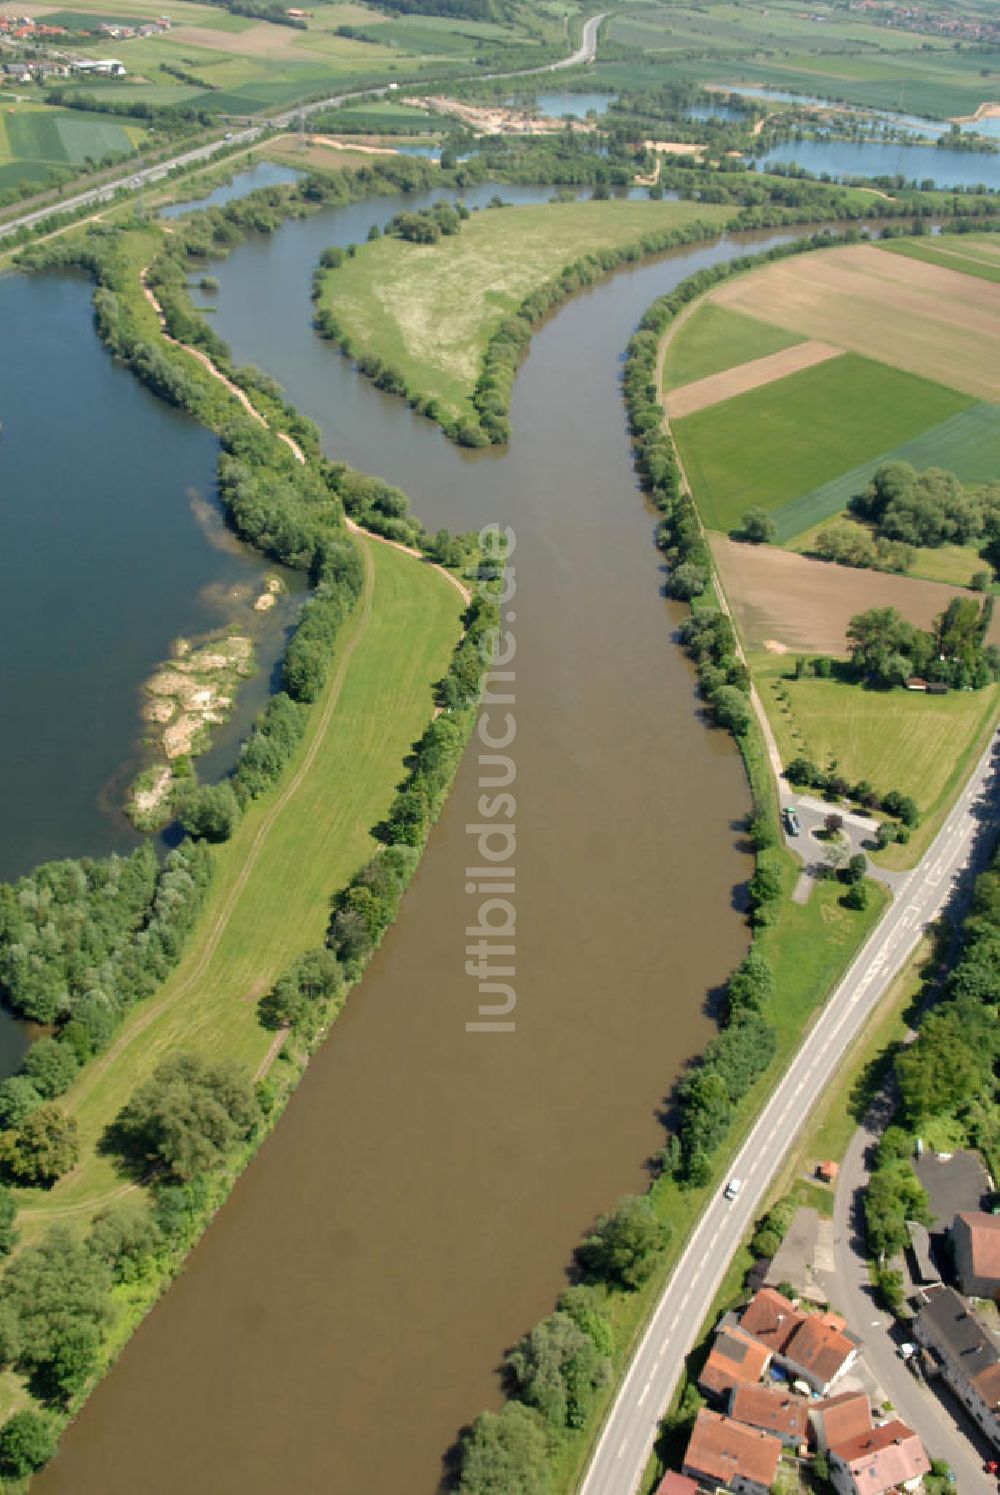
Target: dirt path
715	388
264	1067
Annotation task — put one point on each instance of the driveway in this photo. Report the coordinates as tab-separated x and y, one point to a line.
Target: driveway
858	833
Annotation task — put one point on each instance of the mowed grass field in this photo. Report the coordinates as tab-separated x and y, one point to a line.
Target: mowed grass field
270	898
429	310
774	444
921	745
39	144
713	339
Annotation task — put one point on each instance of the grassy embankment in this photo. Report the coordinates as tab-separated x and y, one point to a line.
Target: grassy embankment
429	311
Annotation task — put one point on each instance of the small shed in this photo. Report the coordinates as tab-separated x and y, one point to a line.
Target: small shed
915	683
827	1172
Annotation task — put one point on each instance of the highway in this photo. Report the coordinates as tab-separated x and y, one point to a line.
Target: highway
145	176
626	1439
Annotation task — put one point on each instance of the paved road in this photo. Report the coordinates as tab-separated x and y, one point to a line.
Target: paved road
851	1292
94	196
626	1439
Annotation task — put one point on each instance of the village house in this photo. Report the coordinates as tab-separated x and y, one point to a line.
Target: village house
820	1351
723	1454
883	1460
975	1238
970	1360
673	1483
771	1319
736	1359
773	1409
838	1419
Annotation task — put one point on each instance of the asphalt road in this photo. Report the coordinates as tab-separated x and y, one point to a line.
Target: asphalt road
626	1438
94	196
850	1289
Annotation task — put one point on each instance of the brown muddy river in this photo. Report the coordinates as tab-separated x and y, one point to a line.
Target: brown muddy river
417	1207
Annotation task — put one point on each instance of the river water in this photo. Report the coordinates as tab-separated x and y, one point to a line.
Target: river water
416	1208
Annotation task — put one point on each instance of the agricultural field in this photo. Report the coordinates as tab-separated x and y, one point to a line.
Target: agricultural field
824	52
938	323
40	146
270	897
429	311
785	602
973	254
713	339
774	444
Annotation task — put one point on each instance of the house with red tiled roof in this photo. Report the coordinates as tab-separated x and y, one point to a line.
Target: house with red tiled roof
673	1483
723	1454
837	1419
975	1237
774	1409
882	1461
735	1360
820	1351
984	1401
772	1319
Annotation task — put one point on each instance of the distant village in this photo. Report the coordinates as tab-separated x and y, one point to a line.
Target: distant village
33	51
928	22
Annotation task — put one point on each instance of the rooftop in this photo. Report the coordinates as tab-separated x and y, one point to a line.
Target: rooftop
884	1458
947	1320
987	1383
984	1234
820	1346
772	1319
844	1417
773	1410
721	1449
676	1484
735	1360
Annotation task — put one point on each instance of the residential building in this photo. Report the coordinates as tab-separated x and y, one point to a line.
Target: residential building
880	1462
723	1454
735	1360
771	1319
773	1409
820	1351
975	1238
969	1356
837	1419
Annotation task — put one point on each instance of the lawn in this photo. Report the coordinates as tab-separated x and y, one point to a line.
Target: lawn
955	565
896	739
270	896
713	339
774	444
966	444
429	310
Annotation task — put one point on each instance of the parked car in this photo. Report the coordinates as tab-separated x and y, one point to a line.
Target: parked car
792	823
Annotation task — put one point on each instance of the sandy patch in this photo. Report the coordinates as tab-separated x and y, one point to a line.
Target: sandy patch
746	376
147	800
939	323
794	602
333	144
985	111
773	647
675	147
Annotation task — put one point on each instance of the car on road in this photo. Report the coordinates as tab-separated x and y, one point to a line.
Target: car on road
733	1187
792	823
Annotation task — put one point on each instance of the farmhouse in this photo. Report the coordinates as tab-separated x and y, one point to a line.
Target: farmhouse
771	1319
723	1454
838	1419
108	67
887	1458
975	1237
821	1350
969	1358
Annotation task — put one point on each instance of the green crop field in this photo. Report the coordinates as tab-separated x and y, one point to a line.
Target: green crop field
429	310
713	339
270	897
776	443
967	444
973	254
65	136
896	739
